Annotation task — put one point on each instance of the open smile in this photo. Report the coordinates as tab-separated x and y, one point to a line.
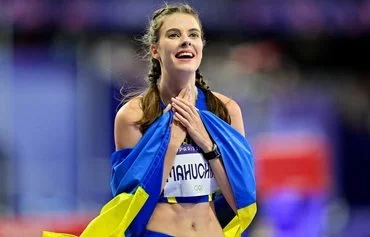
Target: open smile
185	55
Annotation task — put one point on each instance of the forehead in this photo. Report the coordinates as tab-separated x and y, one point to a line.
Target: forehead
180	21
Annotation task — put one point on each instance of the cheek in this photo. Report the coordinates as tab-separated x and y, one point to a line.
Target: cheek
200	53
168	52
163	49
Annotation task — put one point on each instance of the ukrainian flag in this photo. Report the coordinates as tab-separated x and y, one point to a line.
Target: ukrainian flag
237	158
137	176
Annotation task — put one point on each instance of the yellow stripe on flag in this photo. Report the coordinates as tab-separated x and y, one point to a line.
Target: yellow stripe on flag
114	218
241	221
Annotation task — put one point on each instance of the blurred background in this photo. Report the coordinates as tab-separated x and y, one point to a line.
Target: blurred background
298	68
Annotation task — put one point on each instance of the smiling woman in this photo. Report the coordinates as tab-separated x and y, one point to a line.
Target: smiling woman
181	157
180	46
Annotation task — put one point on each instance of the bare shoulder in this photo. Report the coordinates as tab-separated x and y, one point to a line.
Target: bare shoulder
130	112
234	111
232	106
126	132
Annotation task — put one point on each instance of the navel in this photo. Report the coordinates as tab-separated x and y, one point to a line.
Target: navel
194	226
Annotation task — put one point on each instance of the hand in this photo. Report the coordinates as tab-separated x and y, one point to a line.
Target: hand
187	115
183	93
168	108
178	131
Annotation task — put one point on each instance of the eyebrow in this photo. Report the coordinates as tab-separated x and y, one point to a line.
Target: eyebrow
175	29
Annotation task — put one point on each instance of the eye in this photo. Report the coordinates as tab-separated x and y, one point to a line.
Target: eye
194	35
173	35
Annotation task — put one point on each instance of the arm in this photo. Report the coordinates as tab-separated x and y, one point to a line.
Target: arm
178	135
216	164
127	133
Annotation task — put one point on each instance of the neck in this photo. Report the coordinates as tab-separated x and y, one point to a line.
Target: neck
171	85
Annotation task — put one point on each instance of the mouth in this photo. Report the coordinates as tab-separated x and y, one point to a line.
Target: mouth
184	55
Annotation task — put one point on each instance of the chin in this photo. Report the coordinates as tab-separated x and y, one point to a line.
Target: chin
186	68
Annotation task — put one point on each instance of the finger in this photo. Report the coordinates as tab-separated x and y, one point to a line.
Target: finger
189	96
186	110
168	107
181	100
178	124
182	93
185	105
184	122
182	110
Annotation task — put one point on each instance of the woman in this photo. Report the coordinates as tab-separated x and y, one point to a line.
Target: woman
174	146
175	40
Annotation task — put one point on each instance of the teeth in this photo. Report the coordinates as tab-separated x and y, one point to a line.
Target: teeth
185	54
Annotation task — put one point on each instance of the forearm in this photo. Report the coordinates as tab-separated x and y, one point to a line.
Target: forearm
177	137
220	174
168	162
223	181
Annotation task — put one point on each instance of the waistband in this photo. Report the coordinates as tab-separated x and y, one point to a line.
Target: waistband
149	233
195	199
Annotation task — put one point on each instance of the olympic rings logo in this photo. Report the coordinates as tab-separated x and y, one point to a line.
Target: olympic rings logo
198	188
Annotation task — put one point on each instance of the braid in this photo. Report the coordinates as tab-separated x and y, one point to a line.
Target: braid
200	81
154	72
214	104
150	100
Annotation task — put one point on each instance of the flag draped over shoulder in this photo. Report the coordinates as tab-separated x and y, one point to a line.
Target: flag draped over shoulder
238	161
137	176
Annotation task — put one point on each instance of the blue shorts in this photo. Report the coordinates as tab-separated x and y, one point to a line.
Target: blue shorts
149	233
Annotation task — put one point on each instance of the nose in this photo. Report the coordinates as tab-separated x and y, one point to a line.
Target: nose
186	43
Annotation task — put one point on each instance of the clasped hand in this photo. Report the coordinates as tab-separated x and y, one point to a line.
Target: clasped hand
187	115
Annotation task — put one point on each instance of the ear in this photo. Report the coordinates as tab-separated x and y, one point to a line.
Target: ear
154	52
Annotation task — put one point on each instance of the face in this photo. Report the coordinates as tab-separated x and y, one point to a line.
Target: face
180	44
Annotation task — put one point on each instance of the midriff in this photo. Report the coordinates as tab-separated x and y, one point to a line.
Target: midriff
185	219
